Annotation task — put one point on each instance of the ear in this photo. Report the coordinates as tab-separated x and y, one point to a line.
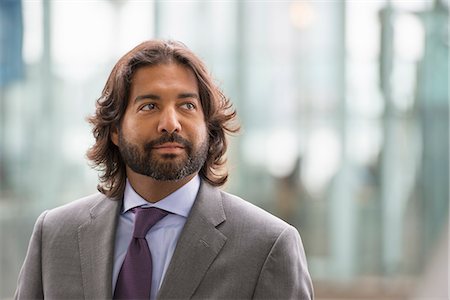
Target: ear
115	135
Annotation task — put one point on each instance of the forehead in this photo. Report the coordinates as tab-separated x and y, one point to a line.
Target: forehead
164	75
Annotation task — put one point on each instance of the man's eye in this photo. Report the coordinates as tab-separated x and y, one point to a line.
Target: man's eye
149	106
189	106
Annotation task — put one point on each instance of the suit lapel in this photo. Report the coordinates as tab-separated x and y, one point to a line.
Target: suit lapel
96	243
199	244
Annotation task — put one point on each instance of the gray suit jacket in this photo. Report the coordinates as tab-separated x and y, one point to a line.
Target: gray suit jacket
228	249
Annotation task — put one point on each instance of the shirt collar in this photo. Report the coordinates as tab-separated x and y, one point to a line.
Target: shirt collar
179	202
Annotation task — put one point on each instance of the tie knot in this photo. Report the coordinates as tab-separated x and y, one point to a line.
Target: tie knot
145	219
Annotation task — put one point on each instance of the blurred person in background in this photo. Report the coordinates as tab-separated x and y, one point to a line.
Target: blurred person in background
160	128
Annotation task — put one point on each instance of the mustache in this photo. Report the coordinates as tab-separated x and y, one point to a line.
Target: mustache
168	138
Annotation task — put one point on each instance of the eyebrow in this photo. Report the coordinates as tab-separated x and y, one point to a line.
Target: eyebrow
156	97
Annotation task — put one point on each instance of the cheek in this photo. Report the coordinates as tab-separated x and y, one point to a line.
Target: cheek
198	135
137	130
203	134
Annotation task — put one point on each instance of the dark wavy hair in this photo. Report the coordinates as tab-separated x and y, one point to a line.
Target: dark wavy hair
220	116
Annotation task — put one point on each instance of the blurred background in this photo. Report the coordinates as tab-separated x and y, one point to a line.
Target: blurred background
344	107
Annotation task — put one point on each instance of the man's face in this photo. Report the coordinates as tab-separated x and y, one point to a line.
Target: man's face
163	133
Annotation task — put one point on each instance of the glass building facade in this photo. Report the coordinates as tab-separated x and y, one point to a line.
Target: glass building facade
344	107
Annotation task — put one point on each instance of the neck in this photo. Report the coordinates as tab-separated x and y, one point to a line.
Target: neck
154	190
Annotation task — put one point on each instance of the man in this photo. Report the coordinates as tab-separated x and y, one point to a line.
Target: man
160	128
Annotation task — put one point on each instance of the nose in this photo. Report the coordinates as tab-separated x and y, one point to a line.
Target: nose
168	121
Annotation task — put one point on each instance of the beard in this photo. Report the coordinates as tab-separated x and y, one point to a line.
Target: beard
166	167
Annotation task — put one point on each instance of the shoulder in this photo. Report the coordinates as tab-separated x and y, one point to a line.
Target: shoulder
236	217
77	207
75	212
236	205
249	218
251	229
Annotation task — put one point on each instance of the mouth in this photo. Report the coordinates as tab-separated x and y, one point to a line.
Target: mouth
169	148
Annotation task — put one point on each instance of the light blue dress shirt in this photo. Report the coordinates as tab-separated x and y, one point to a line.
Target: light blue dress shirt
162	237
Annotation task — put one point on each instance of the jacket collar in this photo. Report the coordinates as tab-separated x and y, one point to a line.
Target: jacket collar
198	245
96	244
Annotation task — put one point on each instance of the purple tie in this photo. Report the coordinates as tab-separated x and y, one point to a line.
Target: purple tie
135	276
